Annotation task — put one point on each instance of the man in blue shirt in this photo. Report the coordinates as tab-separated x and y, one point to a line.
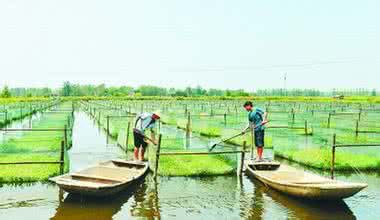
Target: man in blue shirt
257	119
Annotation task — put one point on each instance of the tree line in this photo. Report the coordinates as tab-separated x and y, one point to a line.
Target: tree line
70	89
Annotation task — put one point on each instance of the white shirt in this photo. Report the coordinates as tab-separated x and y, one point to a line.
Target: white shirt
144	121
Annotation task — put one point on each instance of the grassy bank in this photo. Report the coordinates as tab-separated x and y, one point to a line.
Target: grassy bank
320	158
35	146
30	172
13	111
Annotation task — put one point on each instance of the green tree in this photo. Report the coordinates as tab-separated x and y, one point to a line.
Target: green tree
374	93
5	93
67	89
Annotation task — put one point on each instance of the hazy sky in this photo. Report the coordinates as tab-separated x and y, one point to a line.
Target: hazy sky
223	44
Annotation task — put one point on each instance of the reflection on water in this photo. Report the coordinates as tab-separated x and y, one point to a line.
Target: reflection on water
78	207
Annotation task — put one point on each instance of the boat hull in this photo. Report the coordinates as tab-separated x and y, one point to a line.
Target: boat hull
97	187
323	189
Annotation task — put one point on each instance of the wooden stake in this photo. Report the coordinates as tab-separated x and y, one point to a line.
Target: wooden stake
188	125
108	128
127	139
293	115
252	141
305	127
357	128
62	158
6	120
333	156
65	136
329	120
242	158
157	156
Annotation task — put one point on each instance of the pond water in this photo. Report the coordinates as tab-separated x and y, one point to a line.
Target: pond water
223	197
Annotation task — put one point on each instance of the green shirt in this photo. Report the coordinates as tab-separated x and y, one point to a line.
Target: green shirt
256	117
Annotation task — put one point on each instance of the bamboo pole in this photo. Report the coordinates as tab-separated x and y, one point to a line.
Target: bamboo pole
358	145
65	136
242	158
30	162
188	125
252	141
108	128
62	158
127	139
31	116
35	129
329	121
6	120
333	156
305	127
293	116
357	128
157	156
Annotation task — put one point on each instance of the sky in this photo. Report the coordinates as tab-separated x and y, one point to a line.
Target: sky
248	44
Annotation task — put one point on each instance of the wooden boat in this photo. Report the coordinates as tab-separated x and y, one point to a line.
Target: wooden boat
105	179
302	184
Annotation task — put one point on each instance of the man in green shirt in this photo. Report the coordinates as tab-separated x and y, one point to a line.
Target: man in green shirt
257	119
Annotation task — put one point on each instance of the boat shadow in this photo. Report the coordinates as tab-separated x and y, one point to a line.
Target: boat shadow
301	208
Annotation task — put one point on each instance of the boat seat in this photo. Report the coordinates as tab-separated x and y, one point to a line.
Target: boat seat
125	173
122	169
95	177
